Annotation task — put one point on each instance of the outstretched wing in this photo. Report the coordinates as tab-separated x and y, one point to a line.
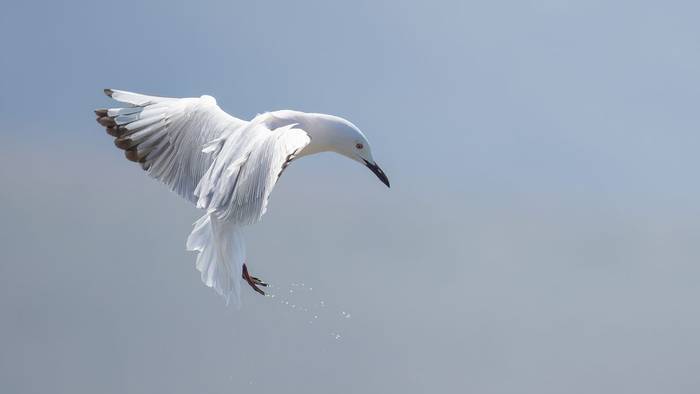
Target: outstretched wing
238	184
167	135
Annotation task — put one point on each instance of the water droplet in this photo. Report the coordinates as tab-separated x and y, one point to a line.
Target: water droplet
291	291
315	316
311	288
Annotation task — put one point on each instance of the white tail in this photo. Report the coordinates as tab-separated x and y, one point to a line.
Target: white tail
221	255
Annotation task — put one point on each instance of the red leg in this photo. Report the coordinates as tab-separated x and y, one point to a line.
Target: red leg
253	281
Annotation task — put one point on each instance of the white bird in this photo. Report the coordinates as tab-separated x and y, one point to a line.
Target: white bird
224	165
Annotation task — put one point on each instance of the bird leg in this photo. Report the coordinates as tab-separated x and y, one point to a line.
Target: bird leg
253	281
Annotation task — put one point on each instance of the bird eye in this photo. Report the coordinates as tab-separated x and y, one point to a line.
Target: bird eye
359	146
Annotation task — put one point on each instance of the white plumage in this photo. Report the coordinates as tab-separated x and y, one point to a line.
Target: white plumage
224	165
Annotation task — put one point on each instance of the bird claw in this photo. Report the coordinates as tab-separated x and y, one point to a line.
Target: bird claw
258	282
253	281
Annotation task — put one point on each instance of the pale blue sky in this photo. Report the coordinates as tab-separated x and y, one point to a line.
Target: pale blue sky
541	234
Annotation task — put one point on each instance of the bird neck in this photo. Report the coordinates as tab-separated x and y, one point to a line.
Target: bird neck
327	133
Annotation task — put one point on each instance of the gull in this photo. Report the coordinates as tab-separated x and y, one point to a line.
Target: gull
224	165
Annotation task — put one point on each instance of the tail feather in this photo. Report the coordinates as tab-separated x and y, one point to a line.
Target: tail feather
221	255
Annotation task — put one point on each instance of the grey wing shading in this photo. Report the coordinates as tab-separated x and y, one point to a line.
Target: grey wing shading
238	184
167	135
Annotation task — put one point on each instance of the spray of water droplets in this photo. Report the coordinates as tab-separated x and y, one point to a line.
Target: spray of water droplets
300	299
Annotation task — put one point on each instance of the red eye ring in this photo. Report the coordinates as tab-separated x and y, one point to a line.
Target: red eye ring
359	146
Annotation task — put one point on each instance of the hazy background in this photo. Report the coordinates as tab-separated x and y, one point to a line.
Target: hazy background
541	235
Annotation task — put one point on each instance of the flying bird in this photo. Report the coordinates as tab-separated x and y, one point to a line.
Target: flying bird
224	165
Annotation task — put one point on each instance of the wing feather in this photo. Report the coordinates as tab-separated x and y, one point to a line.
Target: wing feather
166	135
238	184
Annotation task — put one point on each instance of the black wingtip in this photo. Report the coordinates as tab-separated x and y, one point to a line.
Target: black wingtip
109	92
106	121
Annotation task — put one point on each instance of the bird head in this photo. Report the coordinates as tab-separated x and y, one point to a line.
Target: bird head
350	142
